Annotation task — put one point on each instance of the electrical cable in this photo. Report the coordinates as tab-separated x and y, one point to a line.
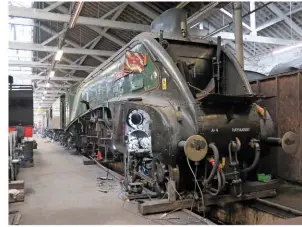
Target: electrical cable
203	207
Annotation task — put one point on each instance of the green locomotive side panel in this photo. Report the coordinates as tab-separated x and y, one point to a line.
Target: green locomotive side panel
136	82
105	87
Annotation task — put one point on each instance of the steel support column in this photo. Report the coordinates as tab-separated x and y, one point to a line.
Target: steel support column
237	9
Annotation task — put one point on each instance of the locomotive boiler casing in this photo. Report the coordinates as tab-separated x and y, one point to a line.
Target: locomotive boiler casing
171	108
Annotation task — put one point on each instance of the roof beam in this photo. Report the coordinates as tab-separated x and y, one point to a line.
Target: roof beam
41	15
53	37
97	29
50	91
37	77
287	20
39	47
258	39
52	32
34	64
148	12
276	20
200	14
52	6
231	16
95	42
52	86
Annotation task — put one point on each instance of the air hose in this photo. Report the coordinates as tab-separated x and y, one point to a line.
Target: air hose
256	159
221	183
216	163
213	191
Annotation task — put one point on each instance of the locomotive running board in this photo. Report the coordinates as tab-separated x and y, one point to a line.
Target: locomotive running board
164	205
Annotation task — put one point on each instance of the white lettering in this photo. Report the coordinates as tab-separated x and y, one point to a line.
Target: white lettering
240	129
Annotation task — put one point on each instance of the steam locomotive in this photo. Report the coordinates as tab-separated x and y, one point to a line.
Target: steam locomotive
176	109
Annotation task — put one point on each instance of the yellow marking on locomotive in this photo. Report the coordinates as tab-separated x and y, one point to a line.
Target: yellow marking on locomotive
260	110
208	117
164	84
223	162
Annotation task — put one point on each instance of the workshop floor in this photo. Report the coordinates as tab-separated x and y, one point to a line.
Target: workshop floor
60	190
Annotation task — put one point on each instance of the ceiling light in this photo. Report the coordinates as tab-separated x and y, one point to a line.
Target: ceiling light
226	12
52	73
43	97
287	49
59	55
48	85
45	92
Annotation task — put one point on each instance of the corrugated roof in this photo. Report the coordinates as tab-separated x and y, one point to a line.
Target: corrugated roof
81	35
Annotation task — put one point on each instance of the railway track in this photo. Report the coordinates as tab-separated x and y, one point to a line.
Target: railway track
275	209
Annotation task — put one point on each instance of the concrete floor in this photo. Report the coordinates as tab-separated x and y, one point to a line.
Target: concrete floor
59	189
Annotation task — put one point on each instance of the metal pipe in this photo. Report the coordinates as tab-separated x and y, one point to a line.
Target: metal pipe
237	11
229	24
112	173
273	141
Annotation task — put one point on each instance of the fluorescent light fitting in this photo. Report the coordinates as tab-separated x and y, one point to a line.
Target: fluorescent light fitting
287	49
195	25
226	12
48	85
45	92
52	73
59	55
43	97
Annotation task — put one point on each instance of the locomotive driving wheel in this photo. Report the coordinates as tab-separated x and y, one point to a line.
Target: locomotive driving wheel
160	176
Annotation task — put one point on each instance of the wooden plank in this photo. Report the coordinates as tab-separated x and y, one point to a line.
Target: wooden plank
87	161
260	186
18	184
164	205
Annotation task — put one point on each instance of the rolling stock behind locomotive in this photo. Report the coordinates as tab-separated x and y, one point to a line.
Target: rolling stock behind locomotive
166	103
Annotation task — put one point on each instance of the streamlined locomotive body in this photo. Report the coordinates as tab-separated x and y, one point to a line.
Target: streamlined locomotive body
173	108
